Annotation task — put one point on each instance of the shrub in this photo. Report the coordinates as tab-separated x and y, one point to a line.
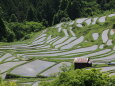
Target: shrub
81	77
22	30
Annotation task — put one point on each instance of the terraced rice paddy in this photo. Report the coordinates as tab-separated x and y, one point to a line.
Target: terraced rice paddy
45	55
32	68
55	69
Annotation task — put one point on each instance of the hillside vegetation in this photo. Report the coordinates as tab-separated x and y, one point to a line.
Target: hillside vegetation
52	11
39	39
81	78
53	47
15	31
17	13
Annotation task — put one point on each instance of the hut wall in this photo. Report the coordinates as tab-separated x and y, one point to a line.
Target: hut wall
82	65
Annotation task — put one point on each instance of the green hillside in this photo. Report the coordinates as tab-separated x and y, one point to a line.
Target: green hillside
41	39
57	46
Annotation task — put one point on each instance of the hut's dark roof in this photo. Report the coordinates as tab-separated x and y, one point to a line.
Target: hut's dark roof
82	60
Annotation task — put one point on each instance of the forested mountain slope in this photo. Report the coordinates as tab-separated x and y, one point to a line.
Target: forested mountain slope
52	11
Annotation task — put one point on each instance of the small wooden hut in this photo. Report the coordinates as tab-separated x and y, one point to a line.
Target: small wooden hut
82	63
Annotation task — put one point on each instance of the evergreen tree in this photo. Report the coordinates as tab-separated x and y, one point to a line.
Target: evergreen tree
3	31
1	12
63	4
6	35
22	10
58	16
74	9
40	10
47	13
31	15
13	18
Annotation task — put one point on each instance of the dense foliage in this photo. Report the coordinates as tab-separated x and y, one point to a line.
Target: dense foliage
52	11
23	30
15	31
82	77
5	33
14	13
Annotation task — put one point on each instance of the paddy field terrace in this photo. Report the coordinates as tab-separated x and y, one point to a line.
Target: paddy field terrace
58	45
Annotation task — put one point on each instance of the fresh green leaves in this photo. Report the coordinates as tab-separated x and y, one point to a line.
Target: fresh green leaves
81	77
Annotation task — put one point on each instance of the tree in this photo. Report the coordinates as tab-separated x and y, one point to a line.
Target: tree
39	10
1	12
47	13
63	5
20	30
11	35
3	30
31	15
106	4
81	77
58	16
13	18
6	35
75	9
